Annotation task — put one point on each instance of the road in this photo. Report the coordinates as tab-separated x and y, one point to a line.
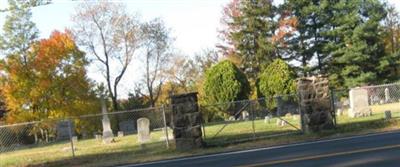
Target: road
369	150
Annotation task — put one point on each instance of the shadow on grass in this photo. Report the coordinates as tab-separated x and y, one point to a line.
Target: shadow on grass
228	139
135	154
157	151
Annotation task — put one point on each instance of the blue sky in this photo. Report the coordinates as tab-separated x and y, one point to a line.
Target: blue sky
194	24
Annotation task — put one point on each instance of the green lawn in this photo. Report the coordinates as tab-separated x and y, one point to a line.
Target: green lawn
126	149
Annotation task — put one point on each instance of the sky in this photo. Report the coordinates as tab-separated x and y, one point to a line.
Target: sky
194	24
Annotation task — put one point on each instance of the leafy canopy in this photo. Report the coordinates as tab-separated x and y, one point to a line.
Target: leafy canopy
224	82
277	79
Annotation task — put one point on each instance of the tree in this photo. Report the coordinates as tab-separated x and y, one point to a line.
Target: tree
356	46
392	29
224	82
277	79
390	64
157	45
182	74
19	32
250	26
307	44
55	85
112	36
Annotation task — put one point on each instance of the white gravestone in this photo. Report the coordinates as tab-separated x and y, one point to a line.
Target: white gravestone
359	103
267	119
245	115
387	95
107	132
143	125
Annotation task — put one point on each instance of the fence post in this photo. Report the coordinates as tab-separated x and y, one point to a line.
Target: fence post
70	138
252	119
202	123
333	99
301	114
165	127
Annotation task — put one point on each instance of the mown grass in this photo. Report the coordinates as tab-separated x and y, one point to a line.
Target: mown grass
127	150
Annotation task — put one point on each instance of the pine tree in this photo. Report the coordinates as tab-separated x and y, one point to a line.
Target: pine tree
252	28
356	48
307	44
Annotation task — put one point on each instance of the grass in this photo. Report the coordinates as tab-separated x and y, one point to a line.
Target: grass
126	149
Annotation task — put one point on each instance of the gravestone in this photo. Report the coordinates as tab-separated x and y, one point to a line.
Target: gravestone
143	125
245	115
107	132
388	115
267	119
74	139
169	132
186	121
281	122
120	134
127	126
97	136
316	105
63	130
359	103
387	95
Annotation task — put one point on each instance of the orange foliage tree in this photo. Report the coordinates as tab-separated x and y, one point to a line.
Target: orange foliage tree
52	84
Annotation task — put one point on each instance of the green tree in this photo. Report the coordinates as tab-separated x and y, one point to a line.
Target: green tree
19	32
224	82
250	26
307	44
356	46
277	79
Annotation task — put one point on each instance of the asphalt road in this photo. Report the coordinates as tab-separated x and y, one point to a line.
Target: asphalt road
370	150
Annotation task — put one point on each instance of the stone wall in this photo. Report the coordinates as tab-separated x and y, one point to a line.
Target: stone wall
315	103
186	121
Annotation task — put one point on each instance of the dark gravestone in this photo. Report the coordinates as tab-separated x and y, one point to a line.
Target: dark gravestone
128	126
63	130
186	120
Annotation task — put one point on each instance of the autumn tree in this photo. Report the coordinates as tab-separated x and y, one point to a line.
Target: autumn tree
55	85
182	74
157	52
390	64
111	36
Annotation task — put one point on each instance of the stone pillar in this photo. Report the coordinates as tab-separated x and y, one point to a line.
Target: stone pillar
186	120
315	103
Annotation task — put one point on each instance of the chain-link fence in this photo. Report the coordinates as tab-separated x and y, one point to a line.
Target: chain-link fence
239	121
135	132
369	101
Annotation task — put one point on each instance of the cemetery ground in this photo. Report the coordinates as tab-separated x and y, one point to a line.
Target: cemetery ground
126	150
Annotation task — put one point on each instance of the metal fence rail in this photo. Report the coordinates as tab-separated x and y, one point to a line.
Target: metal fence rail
378	99
78	136
245	120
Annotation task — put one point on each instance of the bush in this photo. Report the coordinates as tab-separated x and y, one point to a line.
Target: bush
224	82
277	79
